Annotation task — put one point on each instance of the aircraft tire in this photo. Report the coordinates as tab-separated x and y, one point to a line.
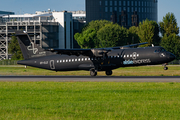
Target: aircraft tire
93	72
165	68
109	72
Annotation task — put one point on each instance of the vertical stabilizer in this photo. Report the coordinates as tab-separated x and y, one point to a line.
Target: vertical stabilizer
28	47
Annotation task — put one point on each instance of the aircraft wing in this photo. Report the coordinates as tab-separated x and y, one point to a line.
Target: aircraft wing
130	46
77	52
136	45
98	52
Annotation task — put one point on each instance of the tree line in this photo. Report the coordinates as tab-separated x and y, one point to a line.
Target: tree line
103	33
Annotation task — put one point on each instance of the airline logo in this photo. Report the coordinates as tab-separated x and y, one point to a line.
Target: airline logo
32	48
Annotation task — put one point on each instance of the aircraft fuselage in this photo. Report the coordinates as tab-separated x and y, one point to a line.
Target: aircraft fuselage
114	59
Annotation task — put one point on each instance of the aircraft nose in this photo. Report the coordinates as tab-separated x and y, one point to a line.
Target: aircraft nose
172	57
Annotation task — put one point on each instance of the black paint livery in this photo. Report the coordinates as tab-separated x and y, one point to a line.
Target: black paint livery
93	60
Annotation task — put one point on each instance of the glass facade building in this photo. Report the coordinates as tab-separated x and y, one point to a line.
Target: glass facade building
124	12
6	13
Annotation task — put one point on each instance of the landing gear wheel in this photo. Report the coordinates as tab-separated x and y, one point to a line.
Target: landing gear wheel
93	72
165	68
109	72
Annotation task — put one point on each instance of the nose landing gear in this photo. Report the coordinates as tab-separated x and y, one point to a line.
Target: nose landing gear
165	68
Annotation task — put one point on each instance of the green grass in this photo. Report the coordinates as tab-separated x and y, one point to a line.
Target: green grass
130	71
89	100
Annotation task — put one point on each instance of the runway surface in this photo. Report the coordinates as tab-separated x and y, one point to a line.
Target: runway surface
91	79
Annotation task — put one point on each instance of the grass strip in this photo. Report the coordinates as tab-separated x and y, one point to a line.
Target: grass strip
89	100
128	71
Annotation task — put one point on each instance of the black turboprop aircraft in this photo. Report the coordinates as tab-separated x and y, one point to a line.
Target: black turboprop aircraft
93	60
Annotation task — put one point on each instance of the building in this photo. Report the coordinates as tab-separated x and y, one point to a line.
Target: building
79	20
124	12
6	13
79	15
47	29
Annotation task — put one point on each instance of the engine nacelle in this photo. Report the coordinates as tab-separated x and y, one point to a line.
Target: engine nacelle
100	52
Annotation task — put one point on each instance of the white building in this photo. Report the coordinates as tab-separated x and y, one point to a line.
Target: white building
48	29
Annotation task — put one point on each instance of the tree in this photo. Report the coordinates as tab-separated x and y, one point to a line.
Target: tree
15	49
101	33
169	25
96	25
172	44
149	32
133	35
86	39
112	35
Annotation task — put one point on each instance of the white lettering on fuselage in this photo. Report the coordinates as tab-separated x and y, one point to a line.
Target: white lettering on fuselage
44	63
141	61
127	62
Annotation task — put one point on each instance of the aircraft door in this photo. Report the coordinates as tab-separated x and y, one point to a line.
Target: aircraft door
52	66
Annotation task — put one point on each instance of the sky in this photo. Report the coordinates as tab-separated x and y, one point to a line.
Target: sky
31	6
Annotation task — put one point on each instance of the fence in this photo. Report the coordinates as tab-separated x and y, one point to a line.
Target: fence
175	62
8	62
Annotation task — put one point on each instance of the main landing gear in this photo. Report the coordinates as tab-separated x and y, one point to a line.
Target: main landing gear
93	72
109	72
165	68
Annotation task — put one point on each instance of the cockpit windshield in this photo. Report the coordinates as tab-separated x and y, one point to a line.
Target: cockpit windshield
160	50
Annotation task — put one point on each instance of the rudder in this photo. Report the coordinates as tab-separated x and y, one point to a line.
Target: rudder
28	47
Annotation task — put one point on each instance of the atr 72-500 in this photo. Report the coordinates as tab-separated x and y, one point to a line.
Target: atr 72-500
93	60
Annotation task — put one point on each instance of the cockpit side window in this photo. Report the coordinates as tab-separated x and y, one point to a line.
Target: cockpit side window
157	51
163	50
160	50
